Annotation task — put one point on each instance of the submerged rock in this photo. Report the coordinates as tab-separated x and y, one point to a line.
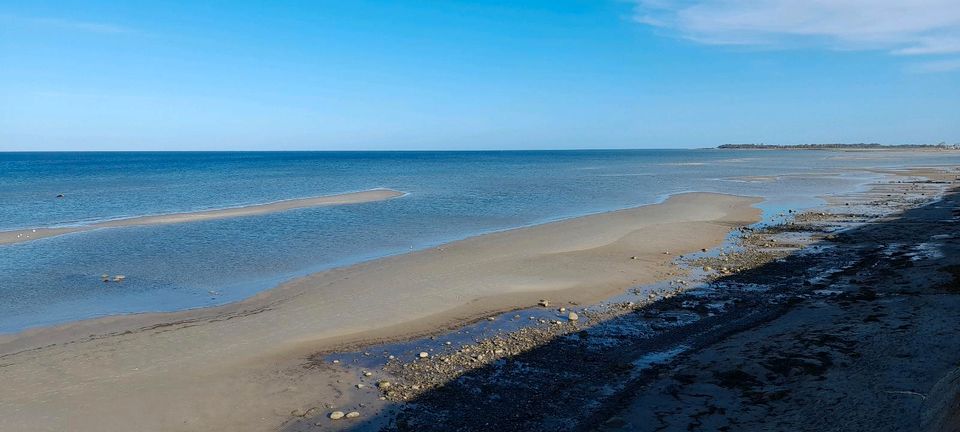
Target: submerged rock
337	415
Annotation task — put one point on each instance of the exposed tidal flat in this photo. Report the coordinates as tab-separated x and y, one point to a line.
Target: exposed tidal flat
194	362
189	370
24	235
451	196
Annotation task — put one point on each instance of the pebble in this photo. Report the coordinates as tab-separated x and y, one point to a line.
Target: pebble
424	354
367	374
337	415
573	316
352	414
544	303
383	385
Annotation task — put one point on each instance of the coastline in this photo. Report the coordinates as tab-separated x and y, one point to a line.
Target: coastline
372	195
242	345
648	360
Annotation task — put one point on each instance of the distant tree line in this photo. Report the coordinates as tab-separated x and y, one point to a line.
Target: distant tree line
941	145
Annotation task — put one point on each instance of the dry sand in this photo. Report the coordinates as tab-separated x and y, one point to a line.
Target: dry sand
242	366
24	235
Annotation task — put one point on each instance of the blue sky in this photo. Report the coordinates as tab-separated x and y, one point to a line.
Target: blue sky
243	75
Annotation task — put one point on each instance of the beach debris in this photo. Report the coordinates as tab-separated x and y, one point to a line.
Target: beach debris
666	252
634	257
424	354
544	303
572	316
337	415
336	362
352	415
367	373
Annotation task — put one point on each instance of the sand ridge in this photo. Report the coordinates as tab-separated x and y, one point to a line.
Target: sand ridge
24	235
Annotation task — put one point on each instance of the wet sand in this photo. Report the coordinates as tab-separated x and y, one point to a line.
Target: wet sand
242	366
24	235
835	318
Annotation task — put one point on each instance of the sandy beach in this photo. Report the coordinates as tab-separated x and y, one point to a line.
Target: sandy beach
242	366
24	235
835	317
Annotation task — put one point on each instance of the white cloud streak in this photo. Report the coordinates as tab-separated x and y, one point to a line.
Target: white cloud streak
901	27
65	24
936	66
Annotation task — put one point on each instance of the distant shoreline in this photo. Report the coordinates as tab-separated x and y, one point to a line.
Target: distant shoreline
845	147
29	234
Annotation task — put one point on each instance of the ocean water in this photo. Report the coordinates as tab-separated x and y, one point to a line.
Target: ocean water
451	195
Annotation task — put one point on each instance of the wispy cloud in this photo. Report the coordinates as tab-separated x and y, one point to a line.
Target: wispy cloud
902	27
936	66
65	24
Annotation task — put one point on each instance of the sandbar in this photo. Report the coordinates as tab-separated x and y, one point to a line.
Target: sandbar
24	235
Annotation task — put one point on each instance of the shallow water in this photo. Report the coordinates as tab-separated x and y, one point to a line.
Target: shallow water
452	195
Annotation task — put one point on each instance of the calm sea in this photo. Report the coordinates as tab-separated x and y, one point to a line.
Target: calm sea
452	195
